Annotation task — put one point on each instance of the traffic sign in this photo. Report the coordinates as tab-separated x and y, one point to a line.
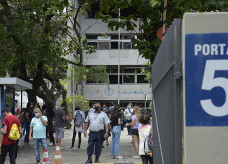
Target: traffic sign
206	79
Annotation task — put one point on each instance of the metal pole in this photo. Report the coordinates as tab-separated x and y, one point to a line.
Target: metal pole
21	100
73	88
164	19
119	63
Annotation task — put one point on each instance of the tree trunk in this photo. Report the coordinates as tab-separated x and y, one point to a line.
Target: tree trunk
31	96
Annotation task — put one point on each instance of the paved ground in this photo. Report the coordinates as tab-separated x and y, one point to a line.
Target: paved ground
26	154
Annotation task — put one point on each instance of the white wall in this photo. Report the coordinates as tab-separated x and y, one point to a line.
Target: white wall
110	57
127	92
92	26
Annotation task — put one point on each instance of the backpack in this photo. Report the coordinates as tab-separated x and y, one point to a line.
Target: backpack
149	143
14	132
78	119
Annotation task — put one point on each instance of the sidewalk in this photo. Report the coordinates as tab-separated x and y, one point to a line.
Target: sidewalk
26	154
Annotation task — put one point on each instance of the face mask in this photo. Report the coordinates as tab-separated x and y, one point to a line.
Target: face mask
31	106
97	108
129	107
37	114
140	108
104	108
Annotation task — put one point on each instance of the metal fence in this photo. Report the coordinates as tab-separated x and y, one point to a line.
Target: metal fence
167	108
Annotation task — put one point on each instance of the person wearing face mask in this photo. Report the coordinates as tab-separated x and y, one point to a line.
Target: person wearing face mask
97	122
127	114
142	110
38	128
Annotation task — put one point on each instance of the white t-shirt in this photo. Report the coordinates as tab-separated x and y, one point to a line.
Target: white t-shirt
144	131
128	113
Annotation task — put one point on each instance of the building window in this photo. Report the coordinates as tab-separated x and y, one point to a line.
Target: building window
110	42
128	70
141	79
128	79
127	76
93	44
103	45
113	79
114	45
127	45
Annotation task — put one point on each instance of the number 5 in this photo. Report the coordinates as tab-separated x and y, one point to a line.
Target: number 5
209	82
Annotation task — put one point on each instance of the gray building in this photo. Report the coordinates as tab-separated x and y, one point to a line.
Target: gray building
132	87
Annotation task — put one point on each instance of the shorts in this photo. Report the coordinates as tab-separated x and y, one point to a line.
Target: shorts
59	132
134	132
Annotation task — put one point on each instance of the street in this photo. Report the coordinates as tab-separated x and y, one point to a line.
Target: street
26	153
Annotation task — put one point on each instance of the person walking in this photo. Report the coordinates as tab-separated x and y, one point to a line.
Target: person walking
8	145
127	114
60	118
50	127
79	118
97	122
144	131
106	110
134	130
38	129
28	115
116	131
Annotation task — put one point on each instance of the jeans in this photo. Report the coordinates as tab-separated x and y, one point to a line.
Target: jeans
115	140
128	127
12	149
36	142
27	128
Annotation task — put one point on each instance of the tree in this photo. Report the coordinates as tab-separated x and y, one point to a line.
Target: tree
149	14
34	45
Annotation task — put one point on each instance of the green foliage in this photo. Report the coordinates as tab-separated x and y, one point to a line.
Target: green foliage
149	13
80	102
147	72
93	73
35	38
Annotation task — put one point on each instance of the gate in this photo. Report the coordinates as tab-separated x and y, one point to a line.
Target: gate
167	107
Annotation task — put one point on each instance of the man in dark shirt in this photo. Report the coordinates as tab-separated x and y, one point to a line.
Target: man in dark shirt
8	145
60	118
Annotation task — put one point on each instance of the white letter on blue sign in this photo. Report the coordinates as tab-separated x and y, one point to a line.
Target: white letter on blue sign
198	48
210	82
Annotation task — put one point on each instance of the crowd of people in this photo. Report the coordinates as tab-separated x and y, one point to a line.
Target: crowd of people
102	122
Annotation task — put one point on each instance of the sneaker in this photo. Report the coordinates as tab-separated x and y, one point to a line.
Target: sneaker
53	144
50	144
136	157
79	148
71	148
119	157
38	162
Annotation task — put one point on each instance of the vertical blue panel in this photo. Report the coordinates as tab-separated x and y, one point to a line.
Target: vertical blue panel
206	79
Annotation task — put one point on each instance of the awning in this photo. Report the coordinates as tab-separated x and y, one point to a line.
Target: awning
15	83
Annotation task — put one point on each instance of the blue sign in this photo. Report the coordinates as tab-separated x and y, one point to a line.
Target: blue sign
206	79
108	91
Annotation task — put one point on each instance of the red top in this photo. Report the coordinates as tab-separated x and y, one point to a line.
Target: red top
9	121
